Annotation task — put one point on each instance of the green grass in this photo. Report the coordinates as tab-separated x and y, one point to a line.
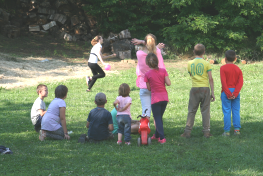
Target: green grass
195	156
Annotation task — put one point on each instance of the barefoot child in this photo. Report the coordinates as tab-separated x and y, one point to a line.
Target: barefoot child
38	109
54	121
201	74
156	79
123	113
232	82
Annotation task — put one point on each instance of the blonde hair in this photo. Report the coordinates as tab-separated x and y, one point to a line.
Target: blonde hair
95	40
152	60
124	90
40	87
150	43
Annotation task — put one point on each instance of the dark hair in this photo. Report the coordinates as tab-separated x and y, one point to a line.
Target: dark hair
199	49
152	60
124	90
61	91
230	55
40	87
95	40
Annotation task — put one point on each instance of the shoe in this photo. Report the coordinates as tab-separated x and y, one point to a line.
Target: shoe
186	135
42	135
155	138
226	134
87	80
82	138
128	143
87	90
236	132
119	142
162	141
207	135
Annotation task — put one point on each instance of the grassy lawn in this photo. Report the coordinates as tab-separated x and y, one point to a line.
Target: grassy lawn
195	156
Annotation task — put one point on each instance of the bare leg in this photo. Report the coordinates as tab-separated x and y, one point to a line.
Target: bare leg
119	136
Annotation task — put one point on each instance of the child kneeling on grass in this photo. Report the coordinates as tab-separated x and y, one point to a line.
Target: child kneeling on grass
54	121
232	82
156	79
99	121
123	114
38	109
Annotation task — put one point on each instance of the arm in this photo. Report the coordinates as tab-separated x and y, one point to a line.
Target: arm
42	112
148	86
110	127
136	41
109	56
167	81
62	116
239	84
87	125
211	82
99	56
224	84
115	104
160	45
124	108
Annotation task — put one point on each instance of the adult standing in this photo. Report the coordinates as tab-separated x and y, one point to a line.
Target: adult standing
95	54
149	47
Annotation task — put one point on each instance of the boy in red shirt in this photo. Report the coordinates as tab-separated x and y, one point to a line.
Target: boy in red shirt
232	82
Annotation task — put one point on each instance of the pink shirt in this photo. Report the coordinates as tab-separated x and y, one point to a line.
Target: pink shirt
123	101
156	78
142	68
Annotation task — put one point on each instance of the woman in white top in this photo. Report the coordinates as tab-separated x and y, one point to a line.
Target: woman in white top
95	54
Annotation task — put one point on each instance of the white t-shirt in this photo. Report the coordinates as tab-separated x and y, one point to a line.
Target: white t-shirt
38	104
51	120
96	50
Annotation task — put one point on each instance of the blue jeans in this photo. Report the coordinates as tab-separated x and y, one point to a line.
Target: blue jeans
227	106
158	111
145	96
124	123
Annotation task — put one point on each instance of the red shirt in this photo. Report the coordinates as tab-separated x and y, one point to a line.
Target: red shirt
231	77
156	79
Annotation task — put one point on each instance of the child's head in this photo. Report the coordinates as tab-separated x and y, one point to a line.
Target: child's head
42	90
199	49
230	55
100	99
152	60
61	92
150	43
124	90
96	40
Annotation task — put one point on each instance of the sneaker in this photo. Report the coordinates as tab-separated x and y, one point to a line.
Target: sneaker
87	80
236	132
226	134
207	135
162	141
186	135
42	135
155	138
128	143
119	142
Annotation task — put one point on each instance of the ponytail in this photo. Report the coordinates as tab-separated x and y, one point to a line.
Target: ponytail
150	43
95	40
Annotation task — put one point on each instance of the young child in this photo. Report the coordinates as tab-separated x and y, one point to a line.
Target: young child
99	120
123	113
54	121
39	107
232	82
155	80
201	74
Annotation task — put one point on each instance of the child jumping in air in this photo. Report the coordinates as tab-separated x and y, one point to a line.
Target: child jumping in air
232	82
123	113
38	109
155	80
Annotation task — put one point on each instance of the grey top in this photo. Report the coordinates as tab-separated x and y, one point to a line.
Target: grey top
38	104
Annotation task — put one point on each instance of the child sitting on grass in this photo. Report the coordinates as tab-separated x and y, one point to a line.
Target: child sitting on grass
39	107
54	121
156	79
99	120
123	114
232	82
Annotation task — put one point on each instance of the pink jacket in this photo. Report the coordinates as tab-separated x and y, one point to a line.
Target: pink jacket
142	68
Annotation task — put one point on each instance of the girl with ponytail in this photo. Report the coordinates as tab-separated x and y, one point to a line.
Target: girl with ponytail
95	54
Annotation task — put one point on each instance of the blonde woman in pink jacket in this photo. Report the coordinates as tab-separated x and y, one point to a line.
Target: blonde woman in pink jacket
149	43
